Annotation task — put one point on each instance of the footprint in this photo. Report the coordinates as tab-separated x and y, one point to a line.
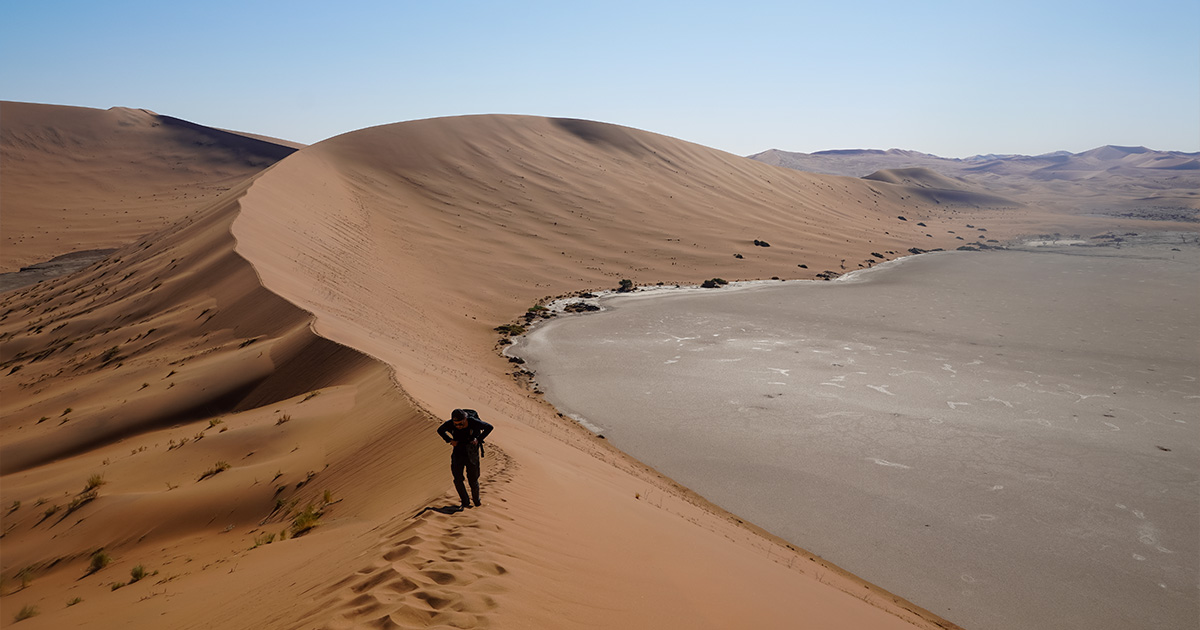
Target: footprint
401	585
399	553
375	580
435	601
489	568
442	578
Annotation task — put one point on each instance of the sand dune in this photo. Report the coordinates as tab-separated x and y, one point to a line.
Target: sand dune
1126	182
290	339
95	179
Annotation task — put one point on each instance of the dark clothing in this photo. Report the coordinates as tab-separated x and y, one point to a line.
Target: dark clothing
465	456
476	429
468	460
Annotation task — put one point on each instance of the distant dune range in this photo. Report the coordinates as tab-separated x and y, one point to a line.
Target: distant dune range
284	328
1128	182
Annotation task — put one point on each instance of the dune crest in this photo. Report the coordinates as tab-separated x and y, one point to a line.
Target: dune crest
77	178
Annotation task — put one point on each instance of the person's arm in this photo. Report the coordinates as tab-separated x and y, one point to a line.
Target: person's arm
444	432
483	428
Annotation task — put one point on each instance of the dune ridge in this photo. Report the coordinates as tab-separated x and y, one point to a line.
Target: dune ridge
308	326
99	179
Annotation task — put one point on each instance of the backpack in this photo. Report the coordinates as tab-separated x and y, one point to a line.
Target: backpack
472	414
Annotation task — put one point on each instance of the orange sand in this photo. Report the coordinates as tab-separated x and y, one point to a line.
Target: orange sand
307	324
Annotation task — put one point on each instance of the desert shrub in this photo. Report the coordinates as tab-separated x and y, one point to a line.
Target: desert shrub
511	329
99	560
305	520
110	354
94	481
212	422
137	573
25	613
84	498
218	467
626	286
74	601
284	419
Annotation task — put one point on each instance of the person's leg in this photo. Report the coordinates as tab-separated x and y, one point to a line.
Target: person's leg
457	463
473	474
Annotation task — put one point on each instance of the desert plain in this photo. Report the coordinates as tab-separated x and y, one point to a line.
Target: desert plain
227	420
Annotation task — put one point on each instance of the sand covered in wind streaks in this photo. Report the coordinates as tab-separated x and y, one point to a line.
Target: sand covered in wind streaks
308	326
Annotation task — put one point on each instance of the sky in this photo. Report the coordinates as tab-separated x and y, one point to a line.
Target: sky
949	78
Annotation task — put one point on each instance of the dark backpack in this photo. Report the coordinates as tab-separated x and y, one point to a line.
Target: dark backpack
472	414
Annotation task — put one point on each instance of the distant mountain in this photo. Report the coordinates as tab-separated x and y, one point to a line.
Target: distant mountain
1113	179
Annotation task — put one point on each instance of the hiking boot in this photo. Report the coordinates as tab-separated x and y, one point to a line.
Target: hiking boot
466	505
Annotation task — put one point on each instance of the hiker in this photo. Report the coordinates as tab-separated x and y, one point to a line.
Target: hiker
465	432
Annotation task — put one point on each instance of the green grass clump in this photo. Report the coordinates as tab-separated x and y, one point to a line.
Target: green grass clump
305	520
511	329
25	613
137	573
74	601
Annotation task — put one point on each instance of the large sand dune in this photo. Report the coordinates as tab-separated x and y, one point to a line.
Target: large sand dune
289	339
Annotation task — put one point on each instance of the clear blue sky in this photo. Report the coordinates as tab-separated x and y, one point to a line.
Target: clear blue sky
949	78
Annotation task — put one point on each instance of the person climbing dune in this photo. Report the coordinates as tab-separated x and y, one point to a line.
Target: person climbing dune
465	432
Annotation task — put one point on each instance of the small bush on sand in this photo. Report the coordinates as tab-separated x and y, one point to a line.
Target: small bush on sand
94	481
74	601
511	329
284	419
137	573
217	468
25	613
305	520
83	499
99	560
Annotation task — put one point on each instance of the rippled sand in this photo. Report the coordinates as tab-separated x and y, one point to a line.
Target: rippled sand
1007	438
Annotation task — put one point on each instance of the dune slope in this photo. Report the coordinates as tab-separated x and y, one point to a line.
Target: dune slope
293	342
76	178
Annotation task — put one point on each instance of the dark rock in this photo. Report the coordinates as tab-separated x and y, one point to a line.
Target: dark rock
922	225
738	256
877	254
916	250
902	218
828	275
761	243
802	266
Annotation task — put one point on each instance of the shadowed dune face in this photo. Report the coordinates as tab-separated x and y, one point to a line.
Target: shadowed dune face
80	179
154	366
